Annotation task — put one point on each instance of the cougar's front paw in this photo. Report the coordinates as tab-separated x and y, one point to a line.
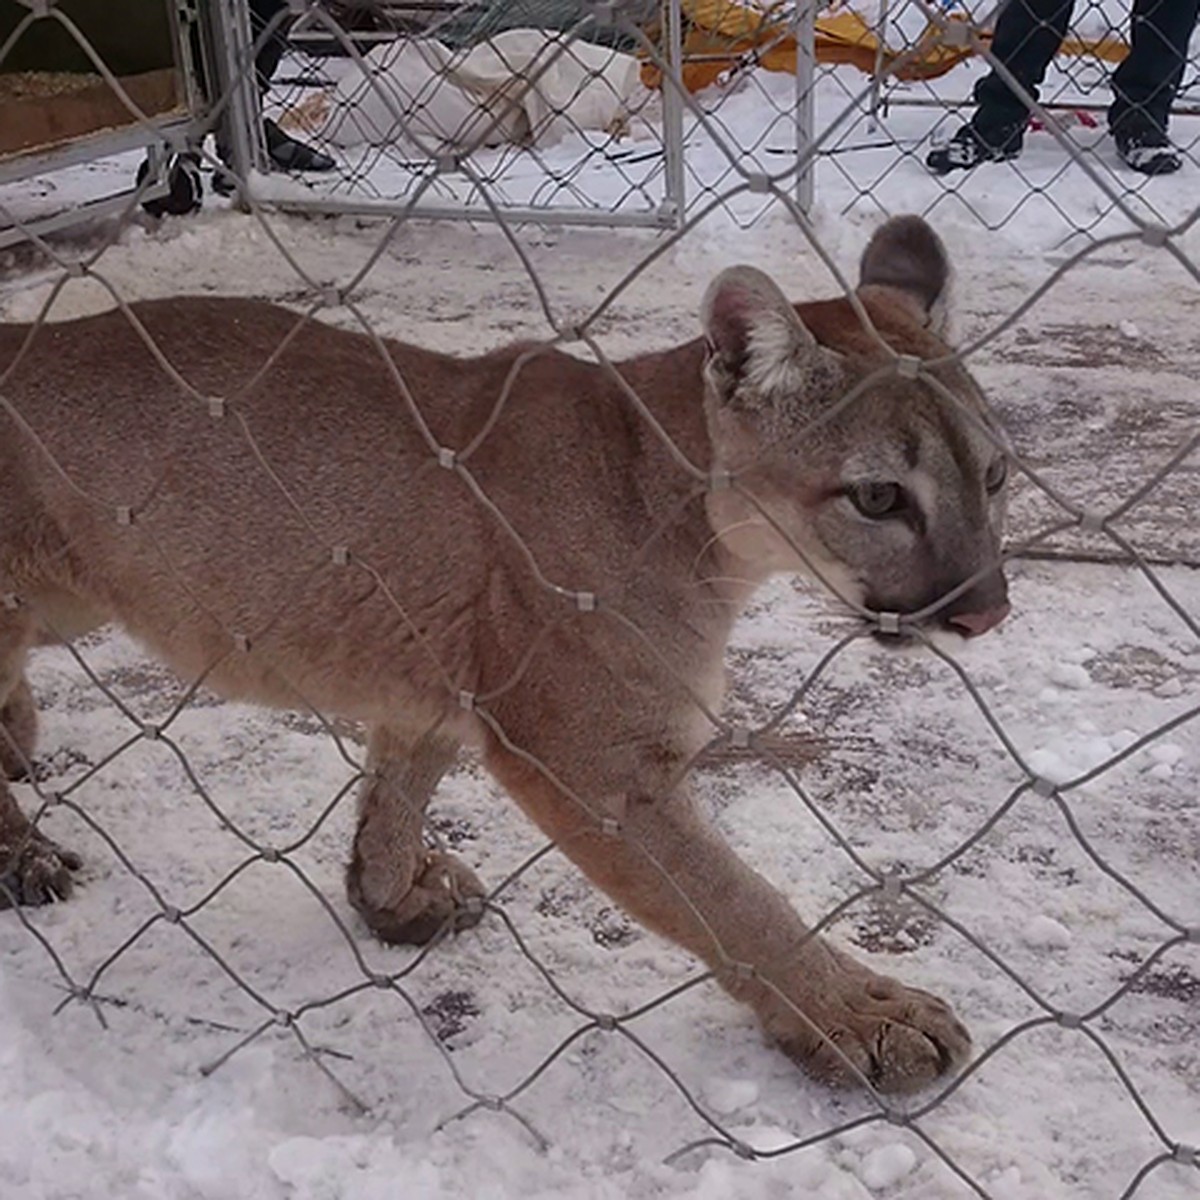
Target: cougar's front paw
896	1038
35	870
437	901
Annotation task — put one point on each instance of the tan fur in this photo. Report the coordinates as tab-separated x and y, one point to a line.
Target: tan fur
304	548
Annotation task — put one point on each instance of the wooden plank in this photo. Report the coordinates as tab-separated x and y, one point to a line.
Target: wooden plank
34	121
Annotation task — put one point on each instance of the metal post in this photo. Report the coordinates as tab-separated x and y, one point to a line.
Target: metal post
241	123
675	197
881	31
805	27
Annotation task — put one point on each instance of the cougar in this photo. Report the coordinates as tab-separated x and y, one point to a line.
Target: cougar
535	556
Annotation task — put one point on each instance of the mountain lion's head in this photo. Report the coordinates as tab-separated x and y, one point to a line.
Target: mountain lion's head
856	454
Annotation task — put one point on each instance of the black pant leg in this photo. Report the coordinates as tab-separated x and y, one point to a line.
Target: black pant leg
270	49
1146	83
1028	34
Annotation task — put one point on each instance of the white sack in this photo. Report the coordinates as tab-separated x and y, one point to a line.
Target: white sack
419	94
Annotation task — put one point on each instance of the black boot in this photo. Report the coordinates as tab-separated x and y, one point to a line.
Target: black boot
1144	147
288	154
974	144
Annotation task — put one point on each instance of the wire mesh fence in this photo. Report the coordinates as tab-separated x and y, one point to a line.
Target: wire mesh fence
848	102
284	503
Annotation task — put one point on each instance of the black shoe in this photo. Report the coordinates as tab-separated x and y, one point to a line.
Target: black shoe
971	146
1146	148
290	155
223	183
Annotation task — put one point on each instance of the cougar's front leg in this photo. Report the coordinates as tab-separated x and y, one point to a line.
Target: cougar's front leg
33	869
674	873
406	892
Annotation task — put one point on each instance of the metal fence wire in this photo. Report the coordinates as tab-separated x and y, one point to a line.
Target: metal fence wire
631	128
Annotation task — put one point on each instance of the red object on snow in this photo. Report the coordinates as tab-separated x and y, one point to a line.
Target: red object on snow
1075	116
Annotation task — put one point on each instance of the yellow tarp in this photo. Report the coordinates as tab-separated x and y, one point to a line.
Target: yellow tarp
721	35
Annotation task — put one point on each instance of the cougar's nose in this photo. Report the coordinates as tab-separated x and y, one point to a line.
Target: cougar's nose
972	624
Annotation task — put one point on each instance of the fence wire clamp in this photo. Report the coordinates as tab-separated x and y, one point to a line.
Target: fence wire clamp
172	915
610	827
381	981
284	1019
447	459
472	906
613	11
466	701
124	515
10	601
75	269
1069	1020
606	1022
585	601
739	738
897	1116
448	164
217	407
743	970
890	623
758	183
241	643
340	556
667	214
1046	788
956	34
269	854
1155	235
720	481
1091	521
908	366
891	888
1187	1155
150	731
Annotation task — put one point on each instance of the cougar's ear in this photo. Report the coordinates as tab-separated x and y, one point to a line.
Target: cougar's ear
760	349
906	256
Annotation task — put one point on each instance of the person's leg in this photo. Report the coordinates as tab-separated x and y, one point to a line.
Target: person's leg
269	24
1146	83
270	39
1027	35
268	46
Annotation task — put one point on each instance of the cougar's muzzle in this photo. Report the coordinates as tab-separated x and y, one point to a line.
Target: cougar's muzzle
980	608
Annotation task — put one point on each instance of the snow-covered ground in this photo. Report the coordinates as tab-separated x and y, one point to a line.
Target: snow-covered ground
1097	384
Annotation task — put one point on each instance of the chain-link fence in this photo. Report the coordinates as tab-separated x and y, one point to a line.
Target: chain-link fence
929	95
539	552
548	102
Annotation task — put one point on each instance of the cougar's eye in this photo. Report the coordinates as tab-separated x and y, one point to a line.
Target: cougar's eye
995	476
876	500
